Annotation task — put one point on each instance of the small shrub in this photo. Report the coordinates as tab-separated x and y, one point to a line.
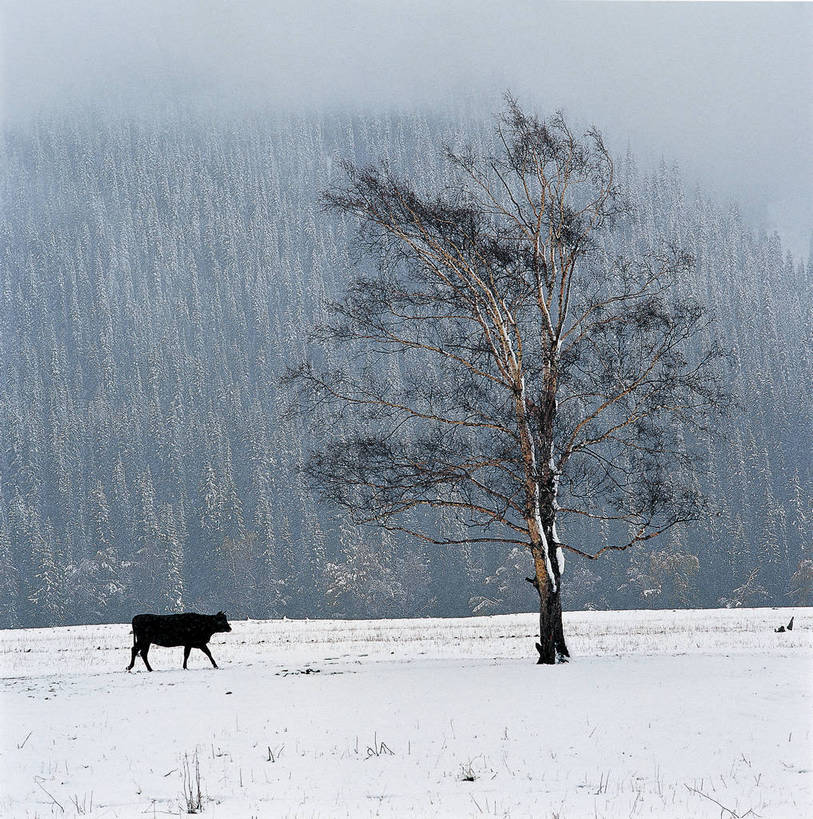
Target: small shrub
190	775
378	748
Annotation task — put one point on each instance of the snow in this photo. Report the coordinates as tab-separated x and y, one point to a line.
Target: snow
663	714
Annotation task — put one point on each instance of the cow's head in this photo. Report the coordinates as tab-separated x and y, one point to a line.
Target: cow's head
221	622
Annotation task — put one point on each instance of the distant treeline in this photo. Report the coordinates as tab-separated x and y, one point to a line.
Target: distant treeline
157	275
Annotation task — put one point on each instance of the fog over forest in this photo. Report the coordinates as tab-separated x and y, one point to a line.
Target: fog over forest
723	89
163	254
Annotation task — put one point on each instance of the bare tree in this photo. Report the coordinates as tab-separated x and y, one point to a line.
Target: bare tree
541	376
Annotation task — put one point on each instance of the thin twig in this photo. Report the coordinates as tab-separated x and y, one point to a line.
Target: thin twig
50	795
721	805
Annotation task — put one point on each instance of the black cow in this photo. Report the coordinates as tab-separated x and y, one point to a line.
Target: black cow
188	630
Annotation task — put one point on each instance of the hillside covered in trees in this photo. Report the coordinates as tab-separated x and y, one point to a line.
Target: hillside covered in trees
158	273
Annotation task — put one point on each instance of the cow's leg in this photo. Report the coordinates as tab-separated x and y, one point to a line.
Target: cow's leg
205	649
186	650
132	658
144	651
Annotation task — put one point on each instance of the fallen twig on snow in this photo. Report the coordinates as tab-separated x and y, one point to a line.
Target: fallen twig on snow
722	807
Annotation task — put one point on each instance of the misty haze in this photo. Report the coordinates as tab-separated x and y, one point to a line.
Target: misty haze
487	325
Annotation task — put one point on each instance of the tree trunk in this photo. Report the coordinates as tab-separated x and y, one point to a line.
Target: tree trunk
551	646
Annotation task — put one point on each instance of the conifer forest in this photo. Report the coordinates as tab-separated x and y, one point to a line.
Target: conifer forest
158	273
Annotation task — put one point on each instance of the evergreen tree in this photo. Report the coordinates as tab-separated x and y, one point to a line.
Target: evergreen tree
107	588
10	614
49	593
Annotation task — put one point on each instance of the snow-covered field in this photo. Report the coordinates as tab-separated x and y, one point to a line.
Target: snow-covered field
676	714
